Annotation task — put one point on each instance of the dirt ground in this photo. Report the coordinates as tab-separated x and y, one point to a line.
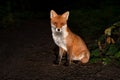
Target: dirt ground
27	53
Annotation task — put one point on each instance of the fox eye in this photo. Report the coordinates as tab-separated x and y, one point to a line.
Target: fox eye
55	23
62	23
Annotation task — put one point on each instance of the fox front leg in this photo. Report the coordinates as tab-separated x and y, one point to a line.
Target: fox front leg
60	55
68	58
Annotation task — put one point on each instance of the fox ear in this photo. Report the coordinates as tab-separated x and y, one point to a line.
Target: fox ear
53	14
66	15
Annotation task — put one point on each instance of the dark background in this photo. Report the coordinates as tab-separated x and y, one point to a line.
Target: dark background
60	6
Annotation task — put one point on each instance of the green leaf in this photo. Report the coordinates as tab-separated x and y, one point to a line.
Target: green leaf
117	55
112	50
95	60
106	60
95	53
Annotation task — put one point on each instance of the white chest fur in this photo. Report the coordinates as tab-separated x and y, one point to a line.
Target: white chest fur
60	37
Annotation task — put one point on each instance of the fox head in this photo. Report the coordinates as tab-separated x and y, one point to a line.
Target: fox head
58	22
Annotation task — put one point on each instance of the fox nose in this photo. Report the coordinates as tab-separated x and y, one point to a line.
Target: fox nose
58	30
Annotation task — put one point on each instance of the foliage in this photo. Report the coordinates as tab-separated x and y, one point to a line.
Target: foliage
107	52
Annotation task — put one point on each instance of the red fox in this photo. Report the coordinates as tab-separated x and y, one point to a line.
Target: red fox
66	40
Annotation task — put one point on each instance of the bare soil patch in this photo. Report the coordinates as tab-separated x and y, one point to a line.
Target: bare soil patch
27	53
